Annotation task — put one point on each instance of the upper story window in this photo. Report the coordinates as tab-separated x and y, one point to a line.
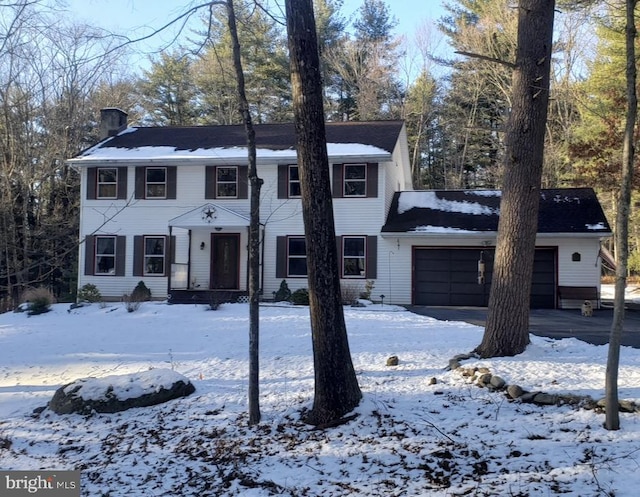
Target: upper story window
154	255
354	256
355	180
105	255
294	181
107	183
227	182
296	256
156	182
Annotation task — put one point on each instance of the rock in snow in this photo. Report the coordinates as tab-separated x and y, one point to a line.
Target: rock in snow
116	393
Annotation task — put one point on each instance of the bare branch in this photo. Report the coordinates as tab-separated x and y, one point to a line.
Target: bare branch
487	58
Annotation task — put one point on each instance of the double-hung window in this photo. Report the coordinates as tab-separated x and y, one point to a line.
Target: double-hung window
227	182
355	180
156	182
296	256
354	256
105	255
154	255
107	183
294	181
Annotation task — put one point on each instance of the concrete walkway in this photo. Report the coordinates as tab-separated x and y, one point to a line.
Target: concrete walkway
552	323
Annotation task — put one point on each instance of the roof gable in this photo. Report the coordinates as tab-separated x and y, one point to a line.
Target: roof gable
566	210
210	214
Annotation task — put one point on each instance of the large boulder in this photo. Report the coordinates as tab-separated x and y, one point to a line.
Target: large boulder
120	392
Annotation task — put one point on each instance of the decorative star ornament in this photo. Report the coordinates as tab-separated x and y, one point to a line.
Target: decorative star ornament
208	214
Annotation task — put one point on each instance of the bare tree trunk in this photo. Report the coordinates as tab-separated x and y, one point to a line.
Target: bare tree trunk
254	228
507	328
336	387
612	417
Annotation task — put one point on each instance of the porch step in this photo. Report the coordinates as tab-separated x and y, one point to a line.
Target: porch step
205	296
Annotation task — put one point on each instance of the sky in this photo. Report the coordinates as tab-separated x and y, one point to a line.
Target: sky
420	429
138	18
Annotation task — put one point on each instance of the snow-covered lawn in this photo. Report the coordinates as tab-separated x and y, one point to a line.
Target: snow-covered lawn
410	438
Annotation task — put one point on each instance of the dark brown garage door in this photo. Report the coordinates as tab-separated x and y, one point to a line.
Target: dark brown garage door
449	277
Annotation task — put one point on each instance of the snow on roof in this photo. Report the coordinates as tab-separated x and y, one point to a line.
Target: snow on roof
374	139
429	200
155	153
561	210
597	226
439	229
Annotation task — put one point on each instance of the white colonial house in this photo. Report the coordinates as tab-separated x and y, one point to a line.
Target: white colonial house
169	206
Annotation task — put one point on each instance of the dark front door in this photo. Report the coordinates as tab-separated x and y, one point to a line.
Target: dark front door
225	257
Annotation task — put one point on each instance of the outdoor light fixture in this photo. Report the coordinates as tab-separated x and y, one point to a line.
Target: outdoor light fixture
201	245
481	268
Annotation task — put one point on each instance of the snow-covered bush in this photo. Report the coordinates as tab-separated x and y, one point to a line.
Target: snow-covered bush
89	293
38	300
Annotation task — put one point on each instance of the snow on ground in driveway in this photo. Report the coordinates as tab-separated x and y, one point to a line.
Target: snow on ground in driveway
410	437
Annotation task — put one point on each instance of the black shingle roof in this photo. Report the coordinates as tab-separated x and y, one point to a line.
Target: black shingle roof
380	134
566	210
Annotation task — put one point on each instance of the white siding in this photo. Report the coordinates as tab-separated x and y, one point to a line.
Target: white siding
352	216
586	272
395	271
150	217
280	217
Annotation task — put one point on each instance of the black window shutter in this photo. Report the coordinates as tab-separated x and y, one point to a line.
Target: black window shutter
138	255
283	181
140	182
89	254
172	185
92	182
210	182
171	240
372	179
243	182
372	257
122	183
281	257
337	181
339	252
121	254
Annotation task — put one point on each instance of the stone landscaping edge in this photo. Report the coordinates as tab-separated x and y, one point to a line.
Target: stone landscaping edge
483	378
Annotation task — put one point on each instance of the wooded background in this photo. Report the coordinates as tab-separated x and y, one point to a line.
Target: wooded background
55	75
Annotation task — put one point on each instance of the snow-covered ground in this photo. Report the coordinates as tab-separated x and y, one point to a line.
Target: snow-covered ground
410	437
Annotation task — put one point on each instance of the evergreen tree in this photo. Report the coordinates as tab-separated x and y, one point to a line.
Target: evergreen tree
420	115
367	87
265	62
169	92
476	107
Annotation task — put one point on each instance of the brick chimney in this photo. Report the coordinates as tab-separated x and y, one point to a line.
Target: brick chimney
112	121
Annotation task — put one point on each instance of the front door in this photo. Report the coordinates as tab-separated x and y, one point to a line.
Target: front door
225	257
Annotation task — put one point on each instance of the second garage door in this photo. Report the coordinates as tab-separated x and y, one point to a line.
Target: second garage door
449	277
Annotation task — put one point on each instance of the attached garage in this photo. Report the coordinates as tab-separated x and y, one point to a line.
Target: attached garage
433	241
450	277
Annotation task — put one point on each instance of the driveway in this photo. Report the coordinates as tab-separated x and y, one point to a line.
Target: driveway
552	323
